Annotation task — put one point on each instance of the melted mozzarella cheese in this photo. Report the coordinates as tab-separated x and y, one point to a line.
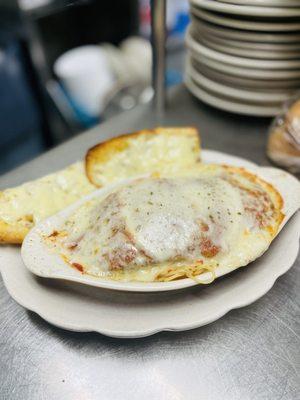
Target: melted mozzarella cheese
174	227
143	153
153	222
171	214
45	196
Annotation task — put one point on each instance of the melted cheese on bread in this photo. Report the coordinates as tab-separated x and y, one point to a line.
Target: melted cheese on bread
145	152
25	205
141	153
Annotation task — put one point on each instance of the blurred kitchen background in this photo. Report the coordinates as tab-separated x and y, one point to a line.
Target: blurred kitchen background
46	98
66	66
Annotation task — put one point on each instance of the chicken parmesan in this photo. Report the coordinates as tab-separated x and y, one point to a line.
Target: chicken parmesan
171	227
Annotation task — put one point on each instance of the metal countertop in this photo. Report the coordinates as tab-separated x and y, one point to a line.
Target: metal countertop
250	353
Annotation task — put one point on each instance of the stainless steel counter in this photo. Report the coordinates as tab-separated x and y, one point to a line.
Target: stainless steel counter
251	353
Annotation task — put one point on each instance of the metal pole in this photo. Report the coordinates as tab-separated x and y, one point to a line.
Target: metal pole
158	36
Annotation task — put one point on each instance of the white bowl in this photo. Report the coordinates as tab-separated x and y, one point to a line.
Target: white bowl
86	75
245	24
255	11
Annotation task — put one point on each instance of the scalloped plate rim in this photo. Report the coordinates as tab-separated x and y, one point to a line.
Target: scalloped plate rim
77	327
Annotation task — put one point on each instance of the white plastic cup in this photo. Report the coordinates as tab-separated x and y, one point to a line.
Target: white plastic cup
85	74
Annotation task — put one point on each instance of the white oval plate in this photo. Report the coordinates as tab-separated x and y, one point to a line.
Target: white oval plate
199	34
227	104
239	61
39	259
245	24
246	72
254	11
247	52
236	81
130	315
260	37
264	3
242	95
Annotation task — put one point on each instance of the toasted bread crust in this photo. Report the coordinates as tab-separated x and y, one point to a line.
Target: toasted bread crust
103	152
12	233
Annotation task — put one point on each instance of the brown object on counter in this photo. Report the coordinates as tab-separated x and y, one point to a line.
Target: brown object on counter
284	141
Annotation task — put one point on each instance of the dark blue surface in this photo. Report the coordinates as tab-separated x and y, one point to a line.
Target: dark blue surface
20	121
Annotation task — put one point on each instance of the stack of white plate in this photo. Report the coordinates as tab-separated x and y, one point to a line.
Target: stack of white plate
244	55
